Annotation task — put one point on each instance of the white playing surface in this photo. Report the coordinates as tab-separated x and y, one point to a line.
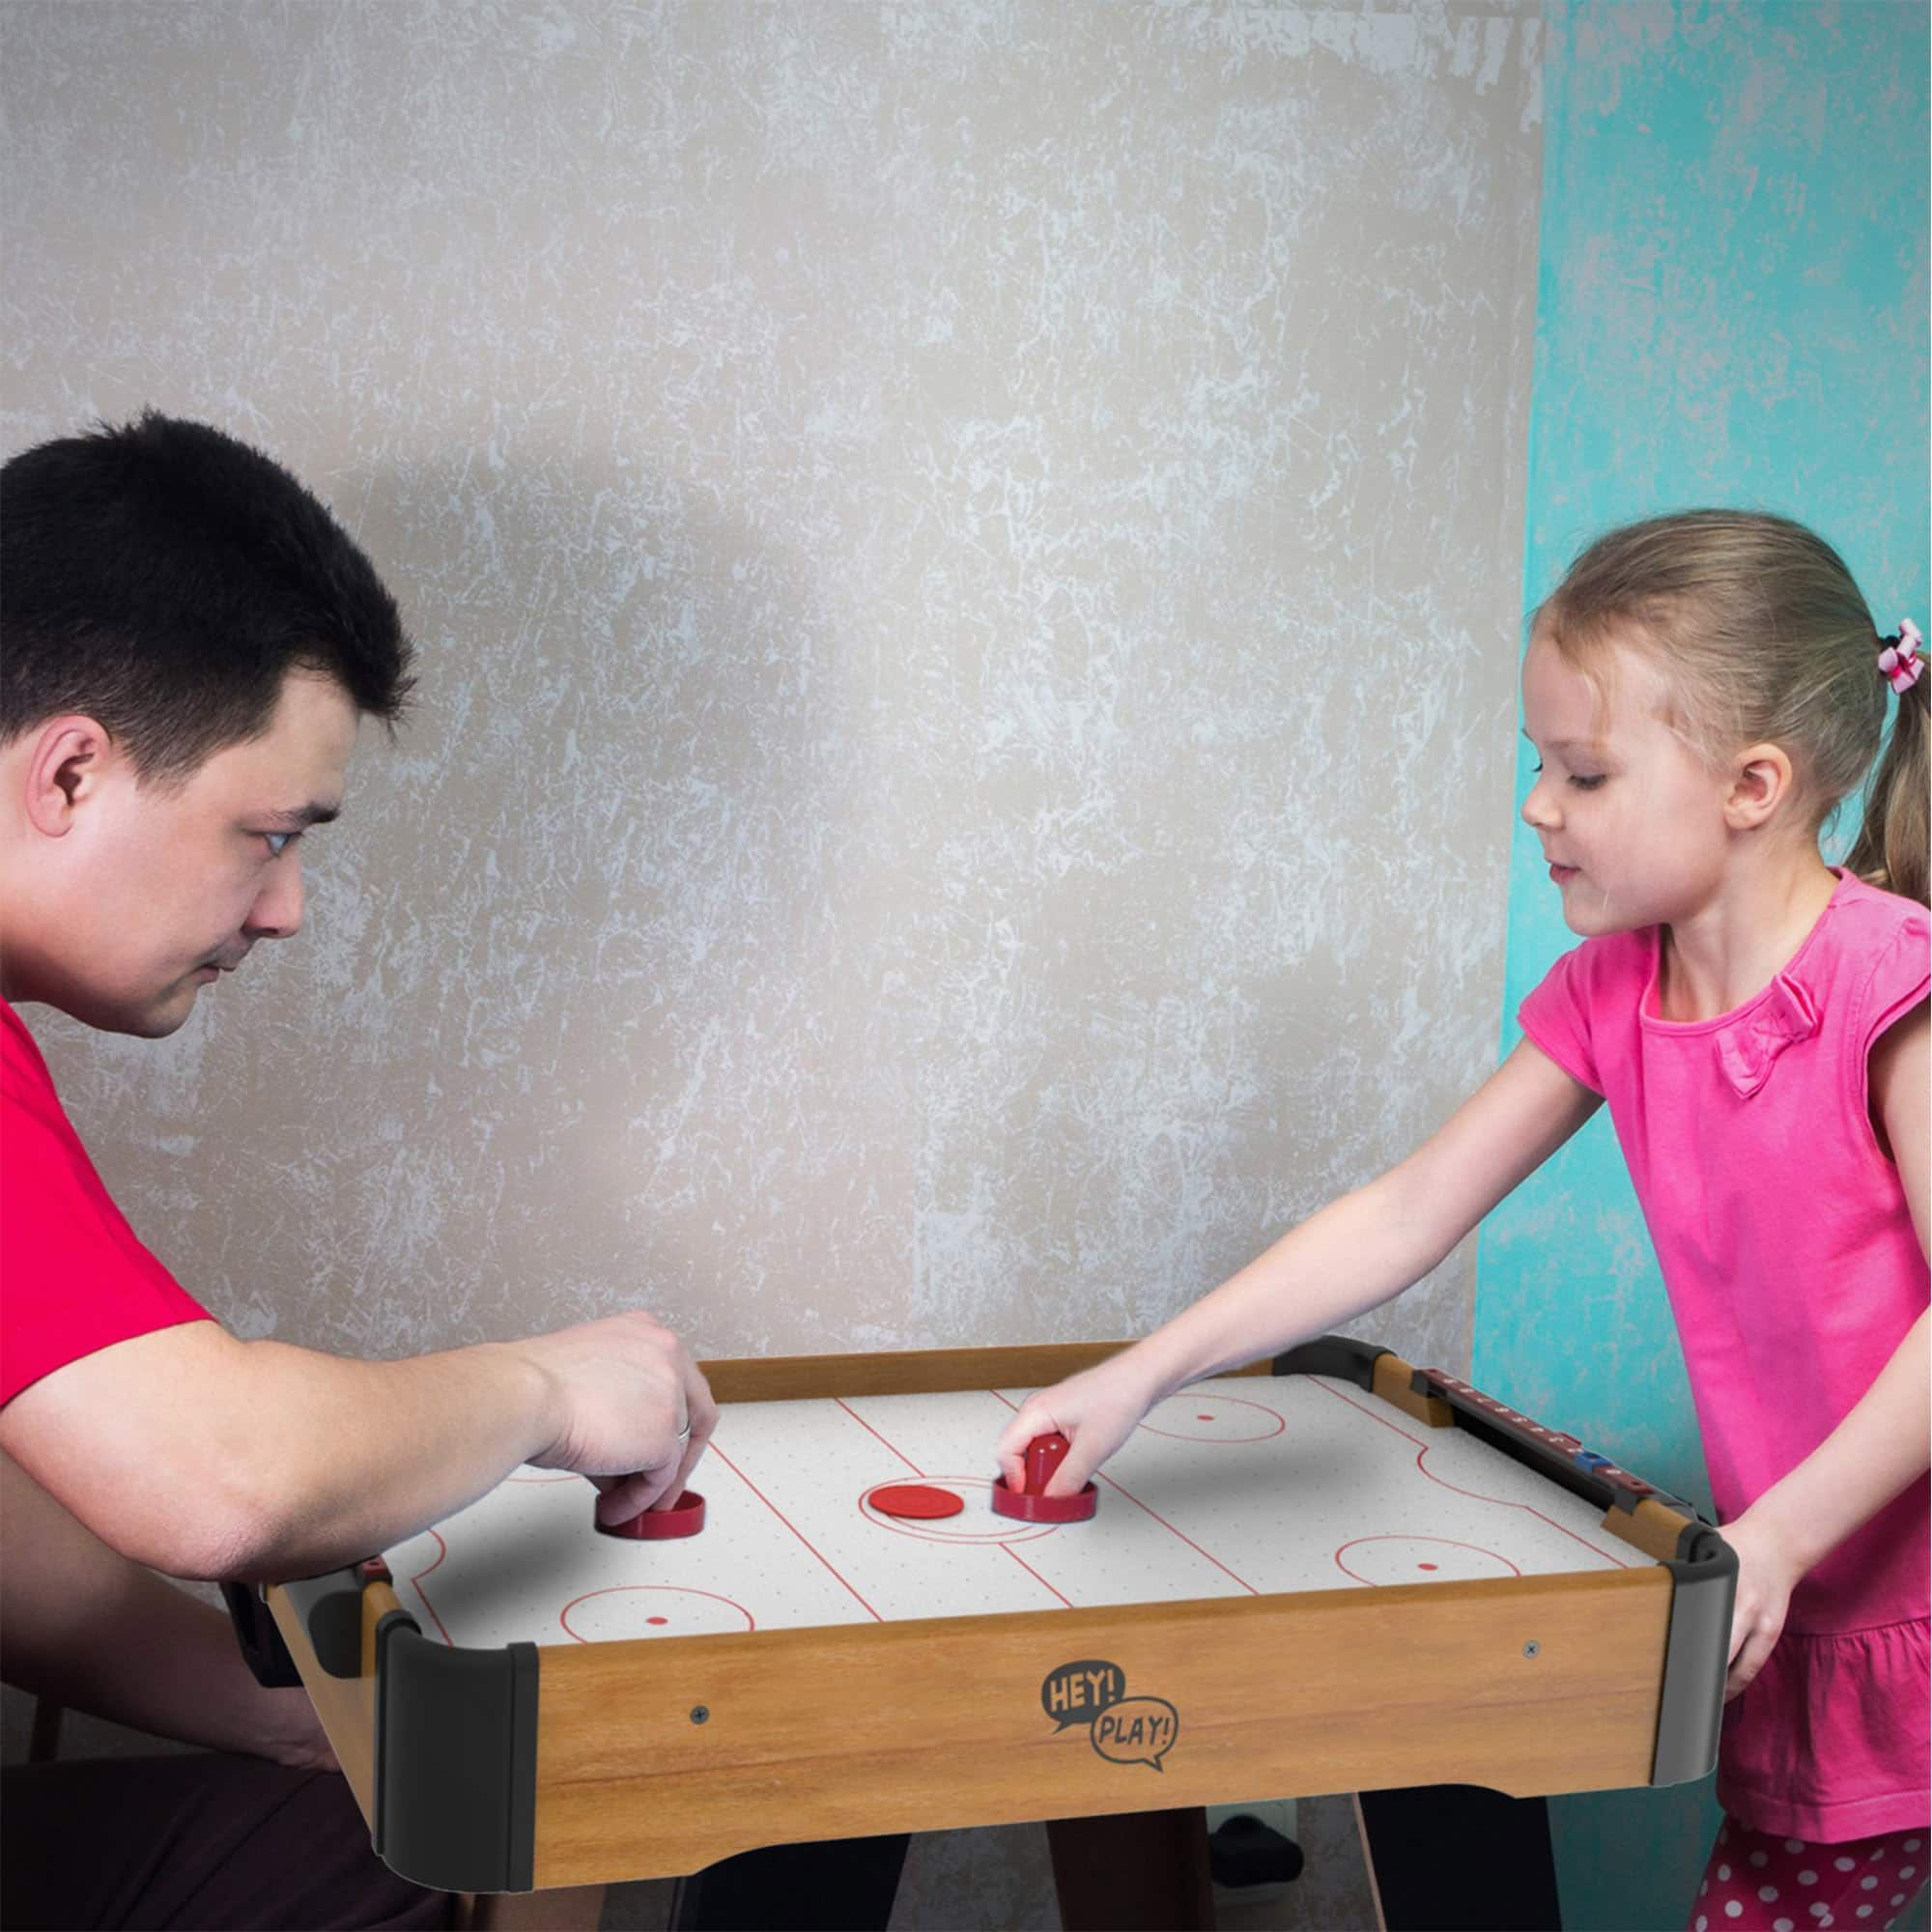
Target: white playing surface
1242	1485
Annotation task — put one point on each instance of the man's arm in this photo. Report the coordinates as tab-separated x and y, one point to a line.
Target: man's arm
204	1455
84	1625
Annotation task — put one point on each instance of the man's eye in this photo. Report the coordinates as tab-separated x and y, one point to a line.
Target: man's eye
1587	783
279	841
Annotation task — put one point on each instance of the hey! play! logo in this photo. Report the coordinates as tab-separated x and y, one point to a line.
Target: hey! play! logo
1128	1730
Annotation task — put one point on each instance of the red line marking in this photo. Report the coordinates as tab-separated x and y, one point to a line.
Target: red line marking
1103	1476
1184	1537
957	1543
1424	1446
793	1527
1032	1573
1362	1409
870	1430
441	1551
1528	1509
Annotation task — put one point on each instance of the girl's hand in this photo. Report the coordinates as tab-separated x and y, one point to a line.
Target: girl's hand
1767	1572
1095	1411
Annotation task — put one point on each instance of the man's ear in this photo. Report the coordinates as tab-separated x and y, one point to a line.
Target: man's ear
1761	780
65	768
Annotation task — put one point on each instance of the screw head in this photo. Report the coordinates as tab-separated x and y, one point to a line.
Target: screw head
700	1714
1532	1649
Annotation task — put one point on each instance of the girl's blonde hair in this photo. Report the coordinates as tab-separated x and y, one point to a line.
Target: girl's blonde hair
1762	637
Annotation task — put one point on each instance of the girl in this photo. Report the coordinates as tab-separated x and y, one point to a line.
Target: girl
1703	689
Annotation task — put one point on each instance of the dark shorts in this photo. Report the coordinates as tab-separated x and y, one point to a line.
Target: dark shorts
235	1844
202	1842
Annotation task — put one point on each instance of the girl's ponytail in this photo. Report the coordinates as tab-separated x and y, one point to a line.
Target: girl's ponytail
1893	843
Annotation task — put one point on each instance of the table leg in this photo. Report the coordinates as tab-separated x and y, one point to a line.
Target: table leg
44	1744
1132	1871
1457	1857
834	1885
574	1908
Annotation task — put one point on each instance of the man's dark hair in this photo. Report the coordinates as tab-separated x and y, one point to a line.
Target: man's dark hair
164	578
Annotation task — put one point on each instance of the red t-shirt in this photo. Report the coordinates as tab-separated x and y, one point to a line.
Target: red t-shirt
72	1277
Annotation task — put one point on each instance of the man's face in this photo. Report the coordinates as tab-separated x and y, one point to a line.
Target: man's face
154	893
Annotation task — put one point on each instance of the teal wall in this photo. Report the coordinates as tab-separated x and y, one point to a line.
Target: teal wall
1731	309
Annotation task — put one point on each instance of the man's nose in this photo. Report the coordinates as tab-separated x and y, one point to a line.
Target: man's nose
277	914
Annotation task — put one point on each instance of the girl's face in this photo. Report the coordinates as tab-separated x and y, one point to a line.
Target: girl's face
1630	817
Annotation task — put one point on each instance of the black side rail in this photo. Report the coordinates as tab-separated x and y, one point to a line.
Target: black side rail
1703	1571
455	1733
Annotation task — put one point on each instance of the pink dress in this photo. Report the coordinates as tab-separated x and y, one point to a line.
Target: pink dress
1794	1274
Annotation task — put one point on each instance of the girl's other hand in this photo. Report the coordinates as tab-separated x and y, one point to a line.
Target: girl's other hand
1095	1411
1767	1572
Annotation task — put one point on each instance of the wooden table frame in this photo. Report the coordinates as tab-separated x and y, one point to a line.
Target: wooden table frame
659	1756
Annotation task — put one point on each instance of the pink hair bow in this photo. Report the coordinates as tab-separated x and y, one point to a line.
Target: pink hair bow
1900	665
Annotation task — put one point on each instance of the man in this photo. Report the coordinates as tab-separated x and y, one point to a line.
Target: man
187	643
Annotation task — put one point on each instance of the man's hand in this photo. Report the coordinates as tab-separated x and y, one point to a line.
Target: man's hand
628	1403
160	1445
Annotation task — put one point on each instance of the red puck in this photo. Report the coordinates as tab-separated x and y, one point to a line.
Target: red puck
684	1517
920	1500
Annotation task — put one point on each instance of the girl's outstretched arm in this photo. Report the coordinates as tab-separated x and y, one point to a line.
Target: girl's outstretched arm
1356	1252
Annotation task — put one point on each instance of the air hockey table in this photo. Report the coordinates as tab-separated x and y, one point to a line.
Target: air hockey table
1328	1573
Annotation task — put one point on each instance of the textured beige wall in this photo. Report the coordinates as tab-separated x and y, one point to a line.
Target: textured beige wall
967	560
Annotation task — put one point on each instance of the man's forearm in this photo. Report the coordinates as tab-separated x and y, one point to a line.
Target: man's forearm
435	1433
254	1458
84	1625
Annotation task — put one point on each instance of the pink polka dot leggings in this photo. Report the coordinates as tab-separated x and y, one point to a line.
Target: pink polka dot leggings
1759	1883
